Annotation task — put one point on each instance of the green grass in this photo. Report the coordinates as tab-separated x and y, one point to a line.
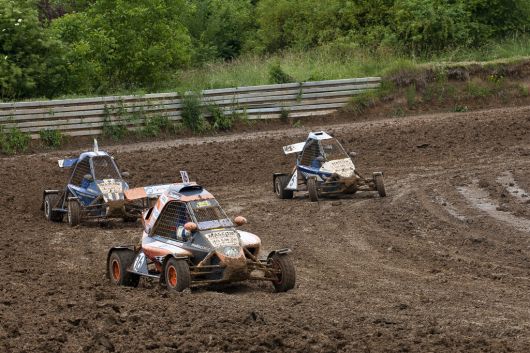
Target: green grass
330	62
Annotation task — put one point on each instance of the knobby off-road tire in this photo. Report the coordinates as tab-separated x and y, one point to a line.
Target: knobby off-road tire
380	184
287	273
177	275
119	261
312	189
74	213
280	183
50	201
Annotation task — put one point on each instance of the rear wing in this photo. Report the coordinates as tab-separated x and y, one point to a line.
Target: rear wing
67	163
146	192
294	148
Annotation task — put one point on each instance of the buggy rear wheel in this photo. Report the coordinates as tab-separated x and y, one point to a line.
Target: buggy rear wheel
129	219
280	183
50	201
312	189
177	275
286	276
380	184
119	261
74	213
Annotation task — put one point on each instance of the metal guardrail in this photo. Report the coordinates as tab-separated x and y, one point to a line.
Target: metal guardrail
87	116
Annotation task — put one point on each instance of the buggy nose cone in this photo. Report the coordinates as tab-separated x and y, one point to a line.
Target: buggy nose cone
235	267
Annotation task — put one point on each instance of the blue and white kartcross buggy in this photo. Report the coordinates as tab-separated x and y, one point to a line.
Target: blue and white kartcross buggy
323	168
95	190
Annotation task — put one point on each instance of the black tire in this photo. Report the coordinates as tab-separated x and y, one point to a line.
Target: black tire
129	219
287	276
50	201
119	261
177	275
312	189
380	184
280	182
74	213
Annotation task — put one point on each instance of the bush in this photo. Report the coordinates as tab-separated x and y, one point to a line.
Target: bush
363	101
153	126
114	130
277	75
14	140
219	120
51	138
192	115
425	26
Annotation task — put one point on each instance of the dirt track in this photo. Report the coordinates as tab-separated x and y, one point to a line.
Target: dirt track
442	264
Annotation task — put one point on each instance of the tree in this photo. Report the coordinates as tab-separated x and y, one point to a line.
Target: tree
31	62
125	43
220	28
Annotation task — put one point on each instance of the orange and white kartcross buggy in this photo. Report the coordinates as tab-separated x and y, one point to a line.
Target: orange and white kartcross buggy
189	241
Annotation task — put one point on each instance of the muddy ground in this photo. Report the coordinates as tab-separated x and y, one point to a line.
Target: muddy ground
441	264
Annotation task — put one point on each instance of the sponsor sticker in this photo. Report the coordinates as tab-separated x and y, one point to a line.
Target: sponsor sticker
223	238
200	204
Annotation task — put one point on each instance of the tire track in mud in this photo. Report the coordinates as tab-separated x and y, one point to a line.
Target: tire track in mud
481	200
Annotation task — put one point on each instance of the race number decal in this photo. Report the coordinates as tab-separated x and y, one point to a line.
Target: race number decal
139	262
185	177
225	238
343	167
293	183
109	186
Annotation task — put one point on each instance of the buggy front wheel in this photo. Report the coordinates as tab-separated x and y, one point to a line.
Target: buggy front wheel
380	184
312	189
285	272
74	213
50	201
177	275
119	261
280	183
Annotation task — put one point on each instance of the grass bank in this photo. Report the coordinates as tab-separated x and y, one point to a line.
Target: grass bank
335	62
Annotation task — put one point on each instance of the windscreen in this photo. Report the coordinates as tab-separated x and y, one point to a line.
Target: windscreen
105	168
332	150
209	214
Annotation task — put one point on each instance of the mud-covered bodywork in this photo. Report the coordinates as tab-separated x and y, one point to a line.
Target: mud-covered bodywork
95	189
323	167
188	224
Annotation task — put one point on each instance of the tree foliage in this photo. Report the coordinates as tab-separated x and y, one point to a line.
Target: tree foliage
52	47
124	43
30	62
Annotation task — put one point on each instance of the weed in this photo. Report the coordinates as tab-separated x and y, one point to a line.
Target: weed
297	123
113	128
192	115
475	90
410	94
277	75
523	90
361	102
154	125
460	108
51	138
284	114
398	112
14	140
219	120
